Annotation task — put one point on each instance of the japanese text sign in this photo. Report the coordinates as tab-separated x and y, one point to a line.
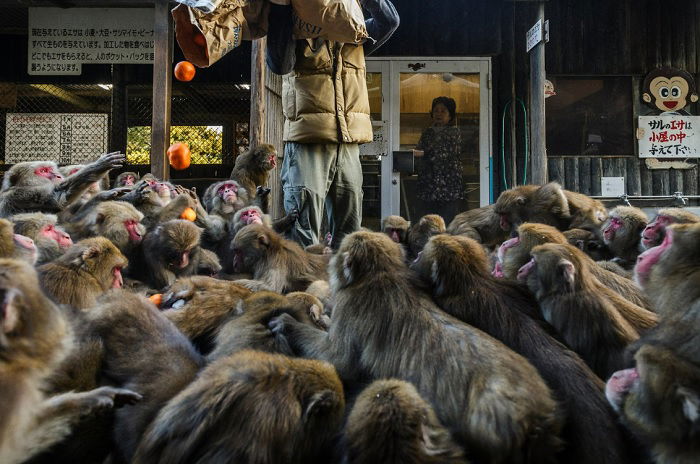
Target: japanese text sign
669	136
61	39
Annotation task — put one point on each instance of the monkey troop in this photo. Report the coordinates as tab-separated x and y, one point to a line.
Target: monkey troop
540	329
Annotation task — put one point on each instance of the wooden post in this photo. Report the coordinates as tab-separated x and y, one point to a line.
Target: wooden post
162	89
119	122
537	121
257	93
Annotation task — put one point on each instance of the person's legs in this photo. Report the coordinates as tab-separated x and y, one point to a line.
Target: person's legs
344	203
305	175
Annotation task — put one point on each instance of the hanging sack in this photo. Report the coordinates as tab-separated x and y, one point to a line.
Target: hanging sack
337	20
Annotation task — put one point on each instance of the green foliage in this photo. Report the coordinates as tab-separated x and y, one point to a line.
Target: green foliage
205	143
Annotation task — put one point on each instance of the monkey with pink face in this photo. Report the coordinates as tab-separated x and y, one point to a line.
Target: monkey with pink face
39	186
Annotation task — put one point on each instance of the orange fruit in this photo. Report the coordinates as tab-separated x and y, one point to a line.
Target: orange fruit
157	299
199	39
184	71
189	215
179	156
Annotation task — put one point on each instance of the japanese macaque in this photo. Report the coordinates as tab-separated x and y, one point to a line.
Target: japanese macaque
144	352
38	186
248	329
209	264
126	179
279	263
390	423
87	270
50	239
457	269
225	198
155	207
549	204
654	232
34	338
95	187
254	215
659	401
118	221
622	233
571	300
252	170
396	228
16	246
420	232
200	305
590	243
492	399
481	224
670	272
251	407
171	250
515	253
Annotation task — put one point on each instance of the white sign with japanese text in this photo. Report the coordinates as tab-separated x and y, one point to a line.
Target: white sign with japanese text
62	39
66	138
669	136
534	36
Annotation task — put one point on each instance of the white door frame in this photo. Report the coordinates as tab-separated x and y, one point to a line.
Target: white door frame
391	67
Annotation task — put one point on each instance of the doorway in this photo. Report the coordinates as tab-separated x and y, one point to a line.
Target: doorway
456	154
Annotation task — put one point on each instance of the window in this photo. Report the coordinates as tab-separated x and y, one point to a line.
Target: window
590	116
205	143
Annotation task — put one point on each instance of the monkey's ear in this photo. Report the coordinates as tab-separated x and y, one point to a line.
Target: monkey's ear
581	245
693	97
691	404
100	218
264	240
90	253
646	97
568	272
520	200
319	404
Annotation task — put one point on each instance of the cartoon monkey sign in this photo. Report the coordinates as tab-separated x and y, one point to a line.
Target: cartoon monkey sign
669	90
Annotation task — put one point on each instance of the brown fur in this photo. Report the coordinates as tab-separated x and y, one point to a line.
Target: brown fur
549	204
83	273
572	300
16	246
456	268
250	407
248	329
662	405
589	242
172	250
622	233
226	208
252	168
34	339
390	423
145	352
121	179
31	225
109	219
490	397
156	204
396	227
420	233
199	305
654	232
281	264
480	224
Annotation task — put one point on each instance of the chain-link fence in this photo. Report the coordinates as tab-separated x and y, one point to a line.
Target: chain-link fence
73	123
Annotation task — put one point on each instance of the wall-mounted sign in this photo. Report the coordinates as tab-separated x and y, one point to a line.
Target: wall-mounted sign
62	39
669	90
612	186
379	146
669	136
534	36
66	138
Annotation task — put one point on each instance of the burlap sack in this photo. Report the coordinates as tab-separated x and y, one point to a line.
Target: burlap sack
207	6
338	20
223	30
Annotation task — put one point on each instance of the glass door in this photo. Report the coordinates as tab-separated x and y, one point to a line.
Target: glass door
439	112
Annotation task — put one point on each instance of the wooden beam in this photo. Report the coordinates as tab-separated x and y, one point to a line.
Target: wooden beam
118	116
162	89
537	120
257	93
66	96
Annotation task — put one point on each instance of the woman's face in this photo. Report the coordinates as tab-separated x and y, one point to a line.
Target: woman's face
441	117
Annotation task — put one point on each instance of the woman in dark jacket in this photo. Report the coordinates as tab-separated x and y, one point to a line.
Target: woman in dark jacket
440	182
